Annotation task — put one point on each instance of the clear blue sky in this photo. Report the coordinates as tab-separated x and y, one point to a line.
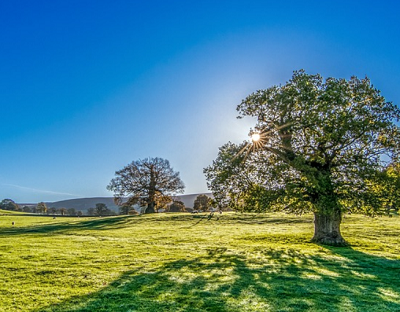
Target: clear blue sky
88	86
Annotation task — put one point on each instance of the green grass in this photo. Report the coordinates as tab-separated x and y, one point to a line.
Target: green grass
9	212
183	262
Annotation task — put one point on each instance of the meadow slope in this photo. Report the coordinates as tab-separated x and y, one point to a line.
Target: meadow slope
183	262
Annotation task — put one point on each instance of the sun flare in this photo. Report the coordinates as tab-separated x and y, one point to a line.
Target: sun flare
255	137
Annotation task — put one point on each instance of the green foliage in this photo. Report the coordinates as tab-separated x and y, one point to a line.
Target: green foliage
176	206
8	204
62	211
393	187
202	203
41	208
236	262
127	210
388	189
71	212
323	147
26	209
91	211
102	210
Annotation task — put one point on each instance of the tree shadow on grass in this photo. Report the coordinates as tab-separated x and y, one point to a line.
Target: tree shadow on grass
274	280
75	225
275	220
107	223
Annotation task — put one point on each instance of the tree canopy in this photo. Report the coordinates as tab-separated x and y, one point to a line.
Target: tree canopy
176	206
101	209
8	204
146	181
202	203
41	208
321	146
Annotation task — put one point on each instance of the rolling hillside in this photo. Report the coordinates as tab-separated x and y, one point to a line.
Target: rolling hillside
84	204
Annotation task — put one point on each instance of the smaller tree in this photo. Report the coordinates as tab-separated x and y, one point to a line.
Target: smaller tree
52	210
101	209
202	203
8	204
176	206
41	208
71	211
63	211
127	210
26	209
91	211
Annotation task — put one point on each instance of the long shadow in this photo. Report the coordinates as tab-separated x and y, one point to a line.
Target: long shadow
280	280
274	220
60	227
121	221
105	223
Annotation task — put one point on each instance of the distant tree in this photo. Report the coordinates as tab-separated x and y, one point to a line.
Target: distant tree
41	208
63	211
176	206
146	181
124	210
8	204
318	146
91	212
71	211
79	213
202	203
127	210
26	209
52	210
101	209
388	188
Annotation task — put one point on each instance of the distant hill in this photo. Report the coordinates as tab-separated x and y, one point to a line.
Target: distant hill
84	204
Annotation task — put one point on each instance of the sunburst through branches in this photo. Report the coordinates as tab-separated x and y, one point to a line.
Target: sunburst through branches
259	140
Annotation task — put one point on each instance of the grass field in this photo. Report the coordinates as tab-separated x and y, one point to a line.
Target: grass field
183	262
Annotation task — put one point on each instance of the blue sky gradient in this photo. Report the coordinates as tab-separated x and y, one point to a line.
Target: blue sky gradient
88	86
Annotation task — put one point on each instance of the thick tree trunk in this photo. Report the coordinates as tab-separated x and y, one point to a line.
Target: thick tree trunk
327	229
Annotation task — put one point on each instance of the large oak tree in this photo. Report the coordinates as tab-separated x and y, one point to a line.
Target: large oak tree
149	181
320	146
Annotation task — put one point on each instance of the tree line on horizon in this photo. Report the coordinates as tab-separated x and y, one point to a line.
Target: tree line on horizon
202	203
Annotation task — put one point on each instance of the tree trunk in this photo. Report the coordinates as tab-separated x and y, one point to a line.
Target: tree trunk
150	208
152	192
327	229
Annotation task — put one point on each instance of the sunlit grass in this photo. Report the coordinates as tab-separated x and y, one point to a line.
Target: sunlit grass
9	212
183	262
